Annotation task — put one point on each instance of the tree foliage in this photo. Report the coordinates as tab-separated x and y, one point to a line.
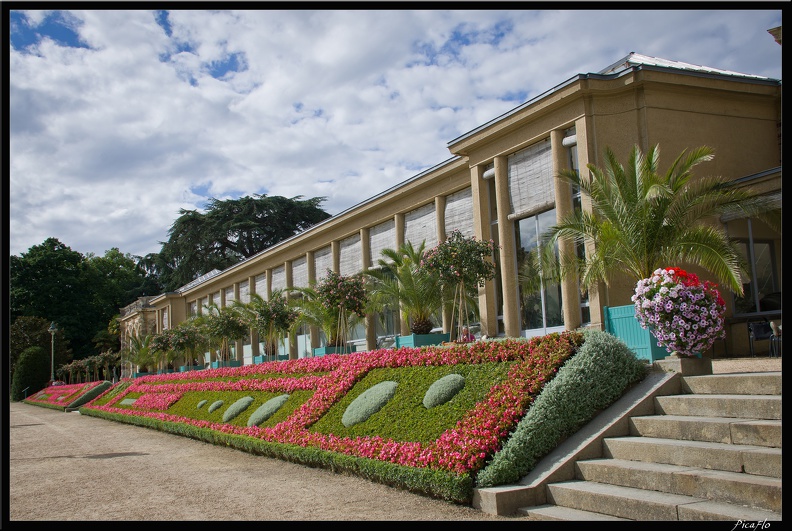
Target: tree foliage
229	231
32	374
26	332
80	293
271	319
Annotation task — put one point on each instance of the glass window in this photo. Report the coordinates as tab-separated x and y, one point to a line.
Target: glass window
760	292
540	302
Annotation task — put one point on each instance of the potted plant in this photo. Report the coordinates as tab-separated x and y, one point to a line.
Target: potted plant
401	281
222	326
186	339
685	315
334	304
642	219
462	265
140	354
271	318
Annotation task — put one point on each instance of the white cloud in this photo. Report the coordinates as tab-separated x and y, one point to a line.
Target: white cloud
109	142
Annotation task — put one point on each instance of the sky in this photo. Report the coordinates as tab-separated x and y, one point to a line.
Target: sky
118	119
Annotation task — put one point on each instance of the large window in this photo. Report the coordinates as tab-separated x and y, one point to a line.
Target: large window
540	302
761	291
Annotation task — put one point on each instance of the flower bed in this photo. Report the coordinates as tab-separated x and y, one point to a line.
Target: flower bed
68	396
434	451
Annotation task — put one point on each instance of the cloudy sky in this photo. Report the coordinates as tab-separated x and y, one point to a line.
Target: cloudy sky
120	118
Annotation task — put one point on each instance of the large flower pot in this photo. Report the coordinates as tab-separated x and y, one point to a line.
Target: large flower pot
185	368
229	363
622	323
321	351
139	374
421	340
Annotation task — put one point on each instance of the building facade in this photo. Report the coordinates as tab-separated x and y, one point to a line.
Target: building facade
501	184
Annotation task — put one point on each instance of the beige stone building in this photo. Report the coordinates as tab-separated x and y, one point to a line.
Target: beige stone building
500	183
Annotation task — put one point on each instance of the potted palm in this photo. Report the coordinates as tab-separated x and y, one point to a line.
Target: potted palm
187	339
642	220
139	354
401	281
334	304
271	318
223	326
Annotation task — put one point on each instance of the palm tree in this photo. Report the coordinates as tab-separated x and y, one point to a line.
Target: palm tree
222	326
270	318
139	351
642	220
402	282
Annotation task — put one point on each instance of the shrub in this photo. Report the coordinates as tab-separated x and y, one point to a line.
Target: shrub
369	402
237	407
31	374
215	406
443	390
266	410
601	371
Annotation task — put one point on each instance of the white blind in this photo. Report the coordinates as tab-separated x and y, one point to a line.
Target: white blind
459	212
203	303
323	260
382	236
531	186
300	272
165	319
419	225
194	308
244	292
279	278
261	285
229	296
216	298
349	260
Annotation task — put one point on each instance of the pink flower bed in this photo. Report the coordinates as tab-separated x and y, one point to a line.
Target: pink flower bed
62	394
460	449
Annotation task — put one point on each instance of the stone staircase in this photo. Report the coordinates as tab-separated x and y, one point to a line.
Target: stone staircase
709	450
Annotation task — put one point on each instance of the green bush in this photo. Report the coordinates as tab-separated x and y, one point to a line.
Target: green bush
91	394
443	390
217	404
601	371
369	402
32	372
266	410
237	407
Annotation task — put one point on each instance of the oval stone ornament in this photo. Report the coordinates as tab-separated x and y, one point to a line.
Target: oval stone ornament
215	406
266	410
369	402
443	390
201	404
237	407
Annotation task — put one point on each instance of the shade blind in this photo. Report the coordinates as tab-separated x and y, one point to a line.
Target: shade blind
421	225
203	304
229	296
261	286
773	202
349	260
459	212
531	186
300	272
278	278
216	298
382	236
323	260
193	308
165	319
244	292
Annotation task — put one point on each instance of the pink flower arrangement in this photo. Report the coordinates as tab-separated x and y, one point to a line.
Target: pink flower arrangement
62	395
684	314
460	449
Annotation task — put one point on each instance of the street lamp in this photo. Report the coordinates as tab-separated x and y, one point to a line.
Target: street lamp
52	330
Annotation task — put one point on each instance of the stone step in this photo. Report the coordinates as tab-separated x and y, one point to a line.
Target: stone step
765	407
638	504
755	383
711	429
558	513
758	460
759	492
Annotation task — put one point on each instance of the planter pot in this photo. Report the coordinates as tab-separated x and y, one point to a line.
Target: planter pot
421	340
139	374
321	351
230	363
622	323
167	371
262	359
185	368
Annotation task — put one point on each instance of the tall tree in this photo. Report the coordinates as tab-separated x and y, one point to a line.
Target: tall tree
229	231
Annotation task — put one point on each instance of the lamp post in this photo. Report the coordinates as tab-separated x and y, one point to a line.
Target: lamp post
52	330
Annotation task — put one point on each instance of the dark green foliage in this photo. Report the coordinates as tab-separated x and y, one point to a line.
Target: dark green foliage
32	373
27	332
601	371
424	425
90	394
228	232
